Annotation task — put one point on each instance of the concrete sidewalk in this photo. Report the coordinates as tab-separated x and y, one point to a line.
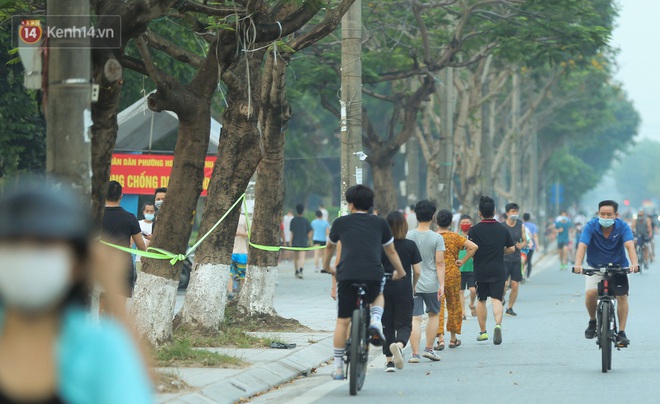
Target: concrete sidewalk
308	301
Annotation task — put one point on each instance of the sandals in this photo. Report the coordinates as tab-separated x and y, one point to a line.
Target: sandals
455	344
473	311
439	346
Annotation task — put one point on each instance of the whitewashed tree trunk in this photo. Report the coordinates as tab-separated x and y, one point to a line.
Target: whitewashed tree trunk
153	307
258	294
206	297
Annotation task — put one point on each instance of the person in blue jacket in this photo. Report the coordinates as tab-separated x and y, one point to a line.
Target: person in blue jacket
50	349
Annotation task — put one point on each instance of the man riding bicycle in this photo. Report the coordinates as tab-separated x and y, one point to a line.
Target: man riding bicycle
643	229
605	240
363	239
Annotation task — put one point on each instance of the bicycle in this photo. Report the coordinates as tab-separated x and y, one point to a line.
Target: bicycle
640	246
357	345
606	331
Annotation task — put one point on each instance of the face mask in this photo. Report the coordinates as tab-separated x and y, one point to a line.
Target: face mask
465	227
149	216
158	204
34	279
514	217
606	222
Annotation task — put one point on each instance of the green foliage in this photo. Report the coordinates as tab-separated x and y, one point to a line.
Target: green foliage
22	127
638	175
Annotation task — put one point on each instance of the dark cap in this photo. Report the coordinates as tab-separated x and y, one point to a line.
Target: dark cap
39	208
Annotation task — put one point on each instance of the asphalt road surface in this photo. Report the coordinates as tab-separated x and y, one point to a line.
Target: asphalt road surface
544	357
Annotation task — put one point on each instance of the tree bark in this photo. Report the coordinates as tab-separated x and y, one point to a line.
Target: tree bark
385	196
238	156
258	292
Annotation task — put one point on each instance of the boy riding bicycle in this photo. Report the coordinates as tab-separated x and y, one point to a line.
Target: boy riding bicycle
363	238
605	240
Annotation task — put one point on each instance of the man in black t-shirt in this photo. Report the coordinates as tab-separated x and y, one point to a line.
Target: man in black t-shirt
489	272
301	236
363	238
121	228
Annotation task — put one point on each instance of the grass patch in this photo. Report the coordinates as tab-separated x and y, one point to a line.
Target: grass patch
182	352
169	382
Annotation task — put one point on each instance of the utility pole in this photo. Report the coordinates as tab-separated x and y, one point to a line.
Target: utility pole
516	142
68	114
351	100
446	163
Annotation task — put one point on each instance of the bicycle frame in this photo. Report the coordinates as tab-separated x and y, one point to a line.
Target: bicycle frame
357	371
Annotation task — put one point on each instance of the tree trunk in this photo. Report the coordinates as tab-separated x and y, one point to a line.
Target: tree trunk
258	293
238	156
108	73
156	287
385	195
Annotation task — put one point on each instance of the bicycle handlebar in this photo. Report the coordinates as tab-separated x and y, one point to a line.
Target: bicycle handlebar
604	270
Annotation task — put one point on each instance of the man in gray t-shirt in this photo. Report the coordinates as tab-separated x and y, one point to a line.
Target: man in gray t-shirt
431	284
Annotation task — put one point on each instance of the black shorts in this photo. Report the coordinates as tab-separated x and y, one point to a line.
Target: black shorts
467	280
493	290
562	244
347	295
514	270
316	242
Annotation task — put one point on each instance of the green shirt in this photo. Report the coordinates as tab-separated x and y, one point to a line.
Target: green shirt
469	265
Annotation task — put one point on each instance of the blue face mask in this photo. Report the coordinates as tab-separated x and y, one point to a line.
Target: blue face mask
606	222
149	216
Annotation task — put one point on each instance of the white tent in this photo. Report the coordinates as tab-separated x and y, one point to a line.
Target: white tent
140	128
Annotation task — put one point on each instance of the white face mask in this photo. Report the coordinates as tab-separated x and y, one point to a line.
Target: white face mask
34	279
158	204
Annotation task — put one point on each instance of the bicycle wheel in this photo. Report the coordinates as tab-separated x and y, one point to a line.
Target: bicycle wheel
357	365
605	337
640	257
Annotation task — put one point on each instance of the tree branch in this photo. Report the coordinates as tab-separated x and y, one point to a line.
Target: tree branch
178	53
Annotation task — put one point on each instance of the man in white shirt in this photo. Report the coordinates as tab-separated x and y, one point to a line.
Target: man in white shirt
147	227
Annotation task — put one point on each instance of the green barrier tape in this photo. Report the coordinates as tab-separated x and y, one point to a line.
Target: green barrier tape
273	248
161	254
158	255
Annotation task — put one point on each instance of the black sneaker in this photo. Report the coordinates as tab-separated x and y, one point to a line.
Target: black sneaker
390	367
590	332
621	340
510	312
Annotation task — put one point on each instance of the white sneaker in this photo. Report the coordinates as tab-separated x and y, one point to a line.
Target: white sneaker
397	355
376	336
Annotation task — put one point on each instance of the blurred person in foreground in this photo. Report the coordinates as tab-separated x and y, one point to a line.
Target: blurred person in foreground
50	350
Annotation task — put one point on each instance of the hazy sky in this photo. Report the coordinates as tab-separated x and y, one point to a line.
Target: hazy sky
636	36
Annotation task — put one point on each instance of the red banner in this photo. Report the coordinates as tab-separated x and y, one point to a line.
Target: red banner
141	174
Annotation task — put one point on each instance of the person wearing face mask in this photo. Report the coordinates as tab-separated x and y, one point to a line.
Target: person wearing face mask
147	227
159	197
513	262
467	269
50	350
605	240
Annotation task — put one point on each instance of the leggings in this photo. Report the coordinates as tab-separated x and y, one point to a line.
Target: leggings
452	300
397	317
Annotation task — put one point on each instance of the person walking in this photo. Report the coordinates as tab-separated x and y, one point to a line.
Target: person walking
533	232
494	242
286	229
513	262
122	228
398	310
321	229
562	227
454	243
467	270
431	284
301	234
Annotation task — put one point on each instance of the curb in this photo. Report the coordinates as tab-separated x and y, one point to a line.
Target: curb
262	378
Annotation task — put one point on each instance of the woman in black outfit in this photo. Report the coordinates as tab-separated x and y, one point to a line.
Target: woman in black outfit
397	316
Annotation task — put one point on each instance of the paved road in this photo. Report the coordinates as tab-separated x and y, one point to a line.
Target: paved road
544	356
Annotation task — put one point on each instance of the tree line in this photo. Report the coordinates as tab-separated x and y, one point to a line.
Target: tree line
502	97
